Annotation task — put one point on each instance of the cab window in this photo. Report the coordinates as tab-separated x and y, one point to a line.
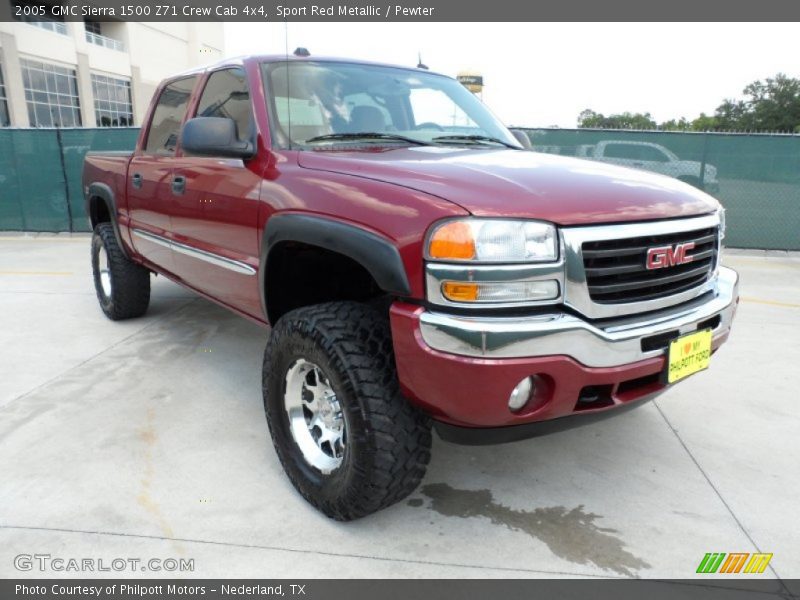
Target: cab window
165	125
226	95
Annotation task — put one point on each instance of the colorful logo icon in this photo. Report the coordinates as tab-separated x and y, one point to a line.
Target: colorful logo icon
734	562
669	256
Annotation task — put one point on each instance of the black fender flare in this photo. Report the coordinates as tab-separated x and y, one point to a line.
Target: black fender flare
377	254
105	194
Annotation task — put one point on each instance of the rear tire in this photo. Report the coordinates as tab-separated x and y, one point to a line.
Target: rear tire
382	443
122	286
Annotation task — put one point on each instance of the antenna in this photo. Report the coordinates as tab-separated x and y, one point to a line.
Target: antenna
288	79
420	64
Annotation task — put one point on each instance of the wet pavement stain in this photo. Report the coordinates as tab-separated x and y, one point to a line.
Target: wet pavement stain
145	499
571	534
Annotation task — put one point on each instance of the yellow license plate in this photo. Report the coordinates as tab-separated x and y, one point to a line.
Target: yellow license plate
688	354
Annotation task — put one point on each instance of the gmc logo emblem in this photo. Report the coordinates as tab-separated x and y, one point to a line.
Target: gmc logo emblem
669	256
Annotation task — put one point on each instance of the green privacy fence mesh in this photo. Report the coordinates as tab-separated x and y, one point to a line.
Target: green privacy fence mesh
756	177
40	175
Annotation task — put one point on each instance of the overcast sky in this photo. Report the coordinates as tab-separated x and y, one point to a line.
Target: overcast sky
541	74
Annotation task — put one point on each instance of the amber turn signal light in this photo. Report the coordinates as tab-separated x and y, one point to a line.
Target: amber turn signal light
452	240
456	291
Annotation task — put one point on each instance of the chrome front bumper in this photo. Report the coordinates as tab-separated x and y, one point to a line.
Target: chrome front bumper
606	344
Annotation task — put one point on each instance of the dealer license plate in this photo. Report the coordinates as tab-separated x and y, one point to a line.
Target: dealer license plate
688	354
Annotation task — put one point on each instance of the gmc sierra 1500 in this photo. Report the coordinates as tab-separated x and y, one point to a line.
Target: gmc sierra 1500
417	266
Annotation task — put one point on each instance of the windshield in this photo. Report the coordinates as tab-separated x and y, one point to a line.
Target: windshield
313	99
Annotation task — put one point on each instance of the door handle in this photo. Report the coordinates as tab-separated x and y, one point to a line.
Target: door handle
178	184
638	164
136	180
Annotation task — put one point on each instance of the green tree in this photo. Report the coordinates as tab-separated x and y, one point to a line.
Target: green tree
769	105
676	125
705	123
591	119
734	115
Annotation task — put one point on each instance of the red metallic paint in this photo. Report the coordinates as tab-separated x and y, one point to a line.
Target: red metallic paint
399	194
510	183
473	392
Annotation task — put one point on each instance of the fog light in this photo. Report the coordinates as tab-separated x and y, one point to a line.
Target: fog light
521	394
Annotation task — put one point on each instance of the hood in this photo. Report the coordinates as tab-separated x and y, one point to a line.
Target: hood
513	183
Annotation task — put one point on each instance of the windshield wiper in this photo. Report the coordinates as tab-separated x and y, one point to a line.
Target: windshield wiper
473	138
366	135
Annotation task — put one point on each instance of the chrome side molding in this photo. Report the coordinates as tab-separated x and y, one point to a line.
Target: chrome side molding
209	257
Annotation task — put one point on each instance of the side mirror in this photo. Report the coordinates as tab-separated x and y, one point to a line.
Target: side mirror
522	138
214	136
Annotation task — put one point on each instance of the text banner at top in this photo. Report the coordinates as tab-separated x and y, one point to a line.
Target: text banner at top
405	10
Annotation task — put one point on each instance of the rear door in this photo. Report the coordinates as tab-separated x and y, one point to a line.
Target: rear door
150	175
214	203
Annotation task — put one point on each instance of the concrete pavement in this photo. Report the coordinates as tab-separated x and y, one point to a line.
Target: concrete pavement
147	439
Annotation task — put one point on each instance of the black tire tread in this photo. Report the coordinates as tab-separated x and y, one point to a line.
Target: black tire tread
358	340
130	292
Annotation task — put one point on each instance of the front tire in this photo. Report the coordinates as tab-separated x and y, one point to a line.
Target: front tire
347	439
122	286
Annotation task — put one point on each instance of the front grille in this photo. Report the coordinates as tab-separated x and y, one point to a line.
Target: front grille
616	271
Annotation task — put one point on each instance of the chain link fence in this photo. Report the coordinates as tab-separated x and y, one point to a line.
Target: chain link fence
755	176
40	175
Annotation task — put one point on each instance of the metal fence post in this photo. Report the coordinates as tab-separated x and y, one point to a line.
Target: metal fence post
64	173
703	161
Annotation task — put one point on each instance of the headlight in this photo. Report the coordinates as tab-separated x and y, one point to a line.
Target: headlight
492	241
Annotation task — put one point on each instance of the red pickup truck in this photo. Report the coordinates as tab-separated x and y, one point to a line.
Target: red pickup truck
418	267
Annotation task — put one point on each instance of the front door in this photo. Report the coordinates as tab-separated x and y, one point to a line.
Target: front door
214	204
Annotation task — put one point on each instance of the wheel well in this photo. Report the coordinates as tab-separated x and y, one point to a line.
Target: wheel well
98	211
301	274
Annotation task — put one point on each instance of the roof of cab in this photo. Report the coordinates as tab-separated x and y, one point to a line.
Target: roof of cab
269	58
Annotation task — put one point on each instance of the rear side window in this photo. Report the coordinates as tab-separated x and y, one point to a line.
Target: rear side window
652	154
226	95
626	151
168	116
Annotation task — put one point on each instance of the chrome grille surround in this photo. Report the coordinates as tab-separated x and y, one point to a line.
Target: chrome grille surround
576	288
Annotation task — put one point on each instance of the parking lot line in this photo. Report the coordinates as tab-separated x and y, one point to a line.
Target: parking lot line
770	302
74	239
36	273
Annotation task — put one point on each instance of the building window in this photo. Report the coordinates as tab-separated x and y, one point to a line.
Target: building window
52	94
4	120
112	101
94	35
39	15
93	27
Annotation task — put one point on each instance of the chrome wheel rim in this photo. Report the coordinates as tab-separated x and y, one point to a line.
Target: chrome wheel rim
315	416
104	271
